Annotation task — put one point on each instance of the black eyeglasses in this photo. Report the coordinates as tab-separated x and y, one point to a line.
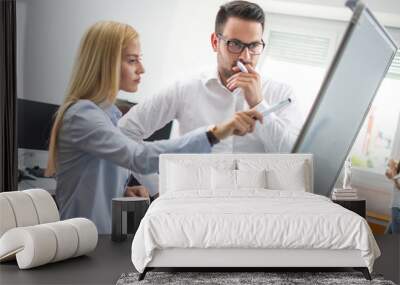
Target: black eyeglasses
237	47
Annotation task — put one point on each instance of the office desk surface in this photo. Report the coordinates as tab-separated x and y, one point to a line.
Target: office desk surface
110	259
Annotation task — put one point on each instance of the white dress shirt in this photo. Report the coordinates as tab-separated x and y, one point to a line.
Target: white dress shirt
202	100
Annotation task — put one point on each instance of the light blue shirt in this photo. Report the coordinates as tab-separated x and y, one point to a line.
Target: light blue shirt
94	159
396	197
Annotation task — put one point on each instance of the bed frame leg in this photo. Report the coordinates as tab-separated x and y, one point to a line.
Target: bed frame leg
364	271
143	274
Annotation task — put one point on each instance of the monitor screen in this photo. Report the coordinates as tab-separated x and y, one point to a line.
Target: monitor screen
34	122
161	134
345	97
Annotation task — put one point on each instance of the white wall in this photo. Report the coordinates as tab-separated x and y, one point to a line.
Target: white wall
174	36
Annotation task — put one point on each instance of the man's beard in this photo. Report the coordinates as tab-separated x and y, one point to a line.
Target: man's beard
226	73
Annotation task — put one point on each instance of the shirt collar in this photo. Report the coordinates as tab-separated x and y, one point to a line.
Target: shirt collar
211	75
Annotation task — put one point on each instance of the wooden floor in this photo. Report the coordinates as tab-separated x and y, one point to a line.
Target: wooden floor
106	264
377	222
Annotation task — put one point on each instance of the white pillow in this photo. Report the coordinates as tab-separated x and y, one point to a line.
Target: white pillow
227	179
251	178
281	174
183	177
223	179
293	180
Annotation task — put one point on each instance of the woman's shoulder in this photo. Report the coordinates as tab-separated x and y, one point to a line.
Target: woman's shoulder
81	106
82	116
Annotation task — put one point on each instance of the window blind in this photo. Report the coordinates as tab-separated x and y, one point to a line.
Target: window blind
298	48
394	70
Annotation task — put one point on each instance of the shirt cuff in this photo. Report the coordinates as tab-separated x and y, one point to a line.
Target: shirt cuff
201	132
264	106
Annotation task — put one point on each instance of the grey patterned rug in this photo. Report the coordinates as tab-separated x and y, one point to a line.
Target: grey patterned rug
225	278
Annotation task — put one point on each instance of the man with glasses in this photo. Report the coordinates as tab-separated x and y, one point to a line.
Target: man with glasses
214	96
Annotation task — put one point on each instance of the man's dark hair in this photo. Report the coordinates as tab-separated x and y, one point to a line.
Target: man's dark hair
240	9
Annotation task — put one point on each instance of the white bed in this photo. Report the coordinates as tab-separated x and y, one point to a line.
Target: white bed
247	210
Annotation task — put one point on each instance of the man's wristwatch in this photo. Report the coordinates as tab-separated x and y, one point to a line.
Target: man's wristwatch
212	139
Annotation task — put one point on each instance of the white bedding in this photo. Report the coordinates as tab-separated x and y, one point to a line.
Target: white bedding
252	218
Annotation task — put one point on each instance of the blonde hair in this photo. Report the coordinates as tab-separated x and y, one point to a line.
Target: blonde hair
96	73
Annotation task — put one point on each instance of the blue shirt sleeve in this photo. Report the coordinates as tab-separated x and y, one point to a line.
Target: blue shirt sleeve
91	130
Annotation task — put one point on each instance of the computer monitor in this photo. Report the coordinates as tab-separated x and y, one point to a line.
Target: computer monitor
161	134
345	97
34	122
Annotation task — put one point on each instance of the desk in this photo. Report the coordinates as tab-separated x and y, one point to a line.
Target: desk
48	184
110	259
31	158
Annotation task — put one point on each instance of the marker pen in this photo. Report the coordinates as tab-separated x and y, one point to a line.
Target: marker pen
276	107
241	66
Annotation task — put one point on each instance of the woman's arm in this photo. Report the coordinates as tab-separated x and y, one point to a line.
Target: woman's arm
89	129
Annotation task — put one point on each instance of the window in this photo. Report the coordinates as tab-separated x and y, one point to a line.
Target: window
375	140
299	51
296	59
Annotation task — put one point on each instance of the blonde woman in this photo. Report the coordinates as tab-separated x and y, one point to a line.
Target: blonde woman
88	154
